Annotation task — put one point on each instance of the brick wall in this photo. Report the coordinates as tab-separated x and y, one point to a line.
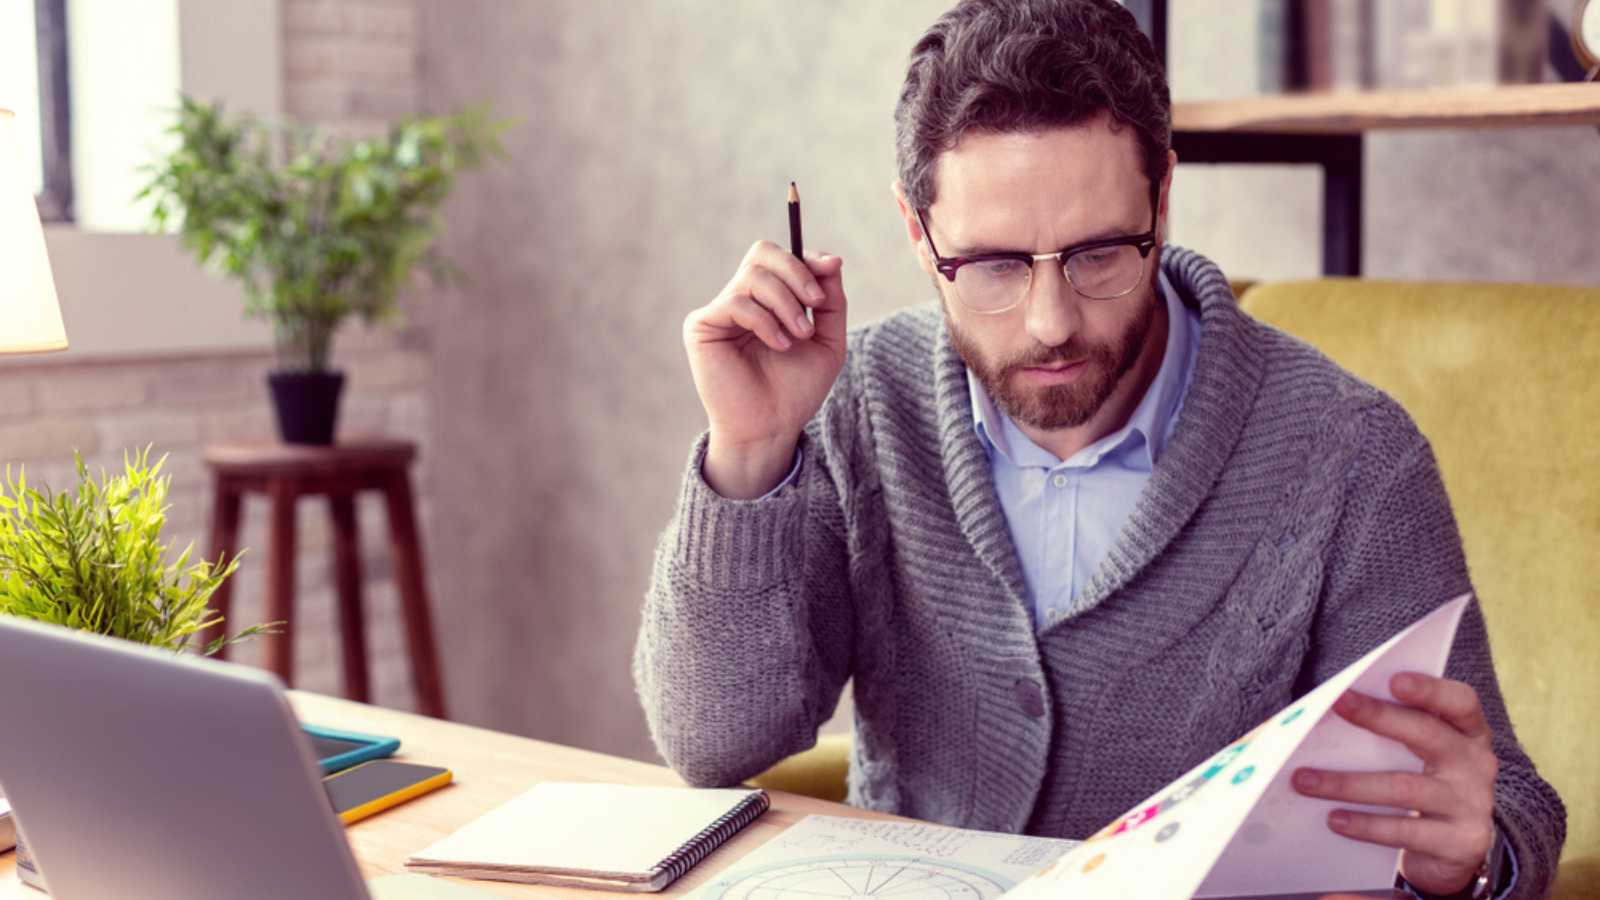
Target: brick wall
350	65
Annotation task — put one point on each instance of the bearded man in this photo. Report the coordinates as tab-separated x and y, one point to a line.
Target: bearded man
1074	526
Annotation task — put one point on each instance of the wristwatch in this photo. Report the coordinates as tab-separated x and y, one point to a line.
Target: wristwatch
1484	882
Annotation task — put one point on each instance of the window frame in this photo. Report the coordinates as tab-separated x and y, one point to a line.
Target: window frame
55	110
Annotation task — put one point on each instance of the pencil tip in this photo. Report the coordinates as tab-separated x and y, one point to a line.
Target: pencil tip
794	193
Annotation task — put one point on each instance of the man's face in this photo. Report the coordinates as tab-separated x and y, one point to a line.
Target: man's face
1058	360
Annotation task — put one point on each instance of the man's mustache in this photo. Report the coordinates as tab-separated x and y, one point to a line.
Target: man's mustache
1072	351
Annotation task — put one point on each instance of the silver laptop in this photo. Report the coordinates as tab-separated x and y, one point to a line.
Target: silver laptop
137	773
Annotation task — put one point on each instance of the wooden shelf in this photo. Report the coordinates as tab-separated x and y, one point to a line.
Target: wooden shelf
1510	106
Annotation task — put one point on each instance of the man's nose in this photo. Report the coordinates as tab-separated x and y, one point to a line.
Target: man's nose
1053	312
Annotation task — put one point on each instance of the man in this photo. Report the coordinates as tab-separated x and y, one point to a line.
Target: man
1076	526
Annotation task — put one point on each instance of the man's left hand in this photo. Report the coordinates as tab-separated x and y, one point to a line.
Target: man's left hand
1441	722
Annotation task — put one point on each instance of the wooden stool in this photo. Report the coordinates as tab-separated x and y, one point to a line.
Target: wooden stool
287	472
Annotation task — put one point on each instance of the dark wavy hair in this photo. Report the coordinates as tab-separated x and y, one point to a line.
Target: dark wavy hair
1026	65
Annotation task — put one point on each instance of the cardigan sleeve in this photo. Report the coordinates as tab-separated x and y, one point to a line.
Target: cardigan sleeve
745	642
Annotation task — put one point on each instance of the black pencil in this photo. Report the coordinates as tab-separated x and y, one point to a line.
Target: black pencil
796	246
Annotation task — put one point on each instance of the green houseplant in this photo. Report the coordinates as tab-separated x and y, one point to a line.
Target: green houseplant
93	559
315	228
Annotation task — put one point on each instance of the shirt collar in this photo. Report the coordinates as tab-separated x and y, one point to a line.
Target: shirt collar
1148	427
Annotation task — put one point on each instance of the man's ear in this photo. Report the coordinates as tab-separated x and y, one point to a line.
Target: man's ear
1166	195
913	228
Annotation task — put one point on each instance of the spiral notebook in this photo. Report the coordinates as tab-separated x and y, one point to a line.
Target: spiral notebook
608	836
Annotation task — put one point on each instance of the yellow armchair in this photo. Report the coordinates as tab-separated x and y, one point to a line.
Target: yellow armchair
822	772
1505	382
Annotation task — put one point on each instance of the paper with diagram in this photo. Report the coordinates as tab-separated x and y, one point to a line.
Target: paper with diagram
829	856
1230	827
1233	826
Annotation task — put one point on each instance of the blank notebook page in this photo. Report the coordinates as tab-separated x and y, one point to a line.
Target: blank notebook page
601	828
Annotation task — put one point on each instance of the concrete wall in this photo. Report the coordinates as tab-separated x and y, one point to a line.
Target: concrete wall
654	144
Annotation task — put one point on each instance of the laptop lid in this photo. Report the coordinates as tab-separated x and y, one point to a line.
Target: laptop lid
133	771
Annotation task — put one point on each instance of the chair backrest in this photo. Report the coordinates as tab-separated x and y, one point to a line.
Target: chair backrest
1505	382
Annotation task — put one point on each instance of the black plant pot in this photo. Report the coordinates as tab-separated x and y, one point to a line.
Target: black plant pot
307	405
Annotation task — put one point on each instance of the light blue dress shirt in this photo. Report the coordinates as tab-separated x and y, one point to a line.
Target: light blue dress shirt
1065	514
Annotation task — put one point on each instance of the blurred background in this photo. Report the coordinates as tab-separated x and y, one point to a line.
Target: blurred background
651	144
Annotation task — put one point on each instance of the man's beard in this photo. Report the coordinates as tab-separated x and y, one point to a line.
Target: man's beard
1062	405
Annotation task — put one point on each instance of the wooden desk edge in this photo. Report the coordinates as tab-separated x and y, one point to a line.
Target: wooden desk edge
490	768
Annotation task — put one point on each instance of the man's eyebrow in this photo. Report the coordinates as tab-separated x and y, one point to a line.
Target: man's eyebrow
1104	234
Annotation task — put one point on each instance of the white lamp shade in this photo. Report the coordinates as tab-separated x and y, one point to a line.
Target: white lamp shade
30	317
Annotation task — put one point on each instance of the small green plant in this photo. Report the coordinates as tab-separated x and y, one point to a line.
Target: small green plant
92	559
315	228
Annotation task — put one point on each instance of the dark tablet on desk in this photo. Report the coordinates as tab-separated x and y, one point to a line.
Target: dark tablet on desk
337	750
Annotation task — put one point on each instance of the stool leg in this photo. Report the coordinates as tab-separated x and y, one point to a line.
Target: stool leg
347	578
413	594
280	581
223	539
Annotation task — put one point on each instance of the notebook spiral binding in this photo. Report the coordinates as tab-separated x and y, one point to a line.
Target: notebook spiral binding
712	836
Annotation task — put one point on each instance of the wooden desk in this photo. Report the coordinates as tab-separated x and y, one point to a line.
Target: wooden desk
490	768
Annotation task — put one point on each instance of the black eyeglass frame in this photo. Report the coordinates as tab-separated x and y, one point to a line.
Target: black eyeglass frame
1144	243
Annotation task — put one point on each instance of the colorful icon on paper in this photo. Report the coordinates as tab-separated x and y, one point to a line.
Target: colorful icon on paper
1214	768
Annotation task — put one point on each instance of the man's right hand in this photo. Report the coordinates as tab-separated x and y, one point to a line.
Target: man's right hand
761	367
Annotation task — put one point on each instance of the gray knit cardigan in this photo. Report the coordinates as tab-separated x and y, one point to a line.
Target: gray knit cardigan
1295	521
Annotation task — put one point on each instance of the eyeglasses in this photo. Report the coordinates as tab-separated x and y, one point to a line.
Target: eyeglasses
993	283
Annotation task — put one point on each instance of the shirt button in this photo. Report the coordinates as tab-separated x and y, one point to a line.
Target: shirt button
1059	481
1029	697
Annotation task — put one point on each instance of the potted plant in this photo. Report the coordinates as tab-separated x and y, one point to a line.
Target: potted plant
315	228
92	559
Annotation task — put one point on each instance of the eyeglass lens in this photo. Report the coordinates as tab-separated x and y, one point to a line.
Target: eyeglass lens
1100	273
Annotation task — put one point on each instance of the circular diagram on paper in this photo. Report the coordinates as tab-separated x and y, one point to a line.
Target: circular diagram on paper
899	877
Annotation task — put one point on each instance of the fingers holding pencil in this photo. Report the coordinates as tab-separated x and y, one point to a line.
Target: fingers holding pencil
783	297
828	310
764	352
828	316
